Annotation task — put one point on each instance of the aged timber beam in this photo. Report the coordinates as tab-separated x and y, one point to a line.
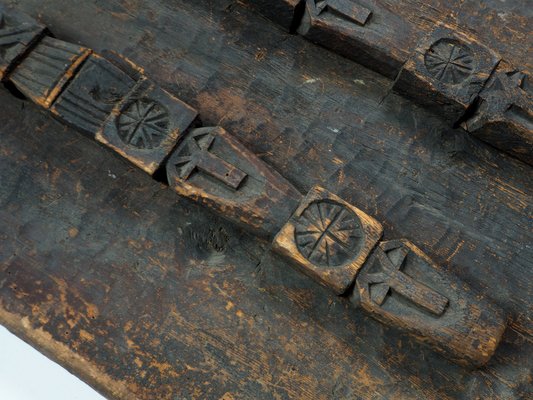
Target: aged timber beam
375	37
328	239
443	69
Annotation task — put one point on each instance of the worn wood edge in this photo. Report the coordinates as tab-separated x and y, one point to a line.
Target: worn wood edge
60	353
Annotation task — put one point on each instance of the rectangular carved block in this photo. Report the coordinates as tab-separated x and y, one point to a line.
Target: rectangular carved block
280	11
374	37
46	70
91	95
214	169
145	127
328	239
18	33
446	72
503	114
401	286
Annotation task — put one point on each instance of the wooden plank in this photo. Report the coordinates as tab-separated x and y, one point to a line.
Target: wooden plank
146	296
443	66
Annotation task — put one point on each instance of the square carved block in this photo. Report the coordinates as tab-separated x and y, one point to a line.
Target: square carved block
328	239
92	94
446	72
145	127
43	74
18	33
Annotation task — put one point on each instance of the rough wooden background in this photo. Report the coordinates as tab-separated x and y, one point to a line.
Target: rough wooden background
148	296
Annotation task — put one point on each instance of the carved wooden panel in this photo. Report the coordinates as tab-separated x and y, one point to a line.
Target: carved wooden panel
327	235
401	285
214	169
328	239
48	68
146	125
18	32
446	72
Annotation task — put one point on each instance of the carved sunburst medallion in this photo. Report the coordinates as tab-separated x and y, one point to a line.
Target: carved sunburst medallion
143	124
328	234
449	61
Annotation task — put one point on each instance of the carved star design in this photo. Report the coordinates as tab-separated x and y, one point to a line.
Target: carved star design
328	234
143	124
449	61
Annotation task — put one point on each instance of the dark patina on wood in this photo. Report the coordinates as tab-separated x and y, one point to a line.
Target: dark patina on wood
212	168
141	349
503	113
327	238
443	68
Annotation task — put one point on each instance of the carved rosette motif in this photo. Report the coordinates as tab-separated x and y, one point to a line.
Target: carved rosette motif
328	234
143	124
449	61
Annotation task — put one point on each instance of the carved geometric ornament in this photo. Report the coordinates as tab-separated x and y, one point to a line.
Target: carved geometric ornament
449	61
143	124
328	234
386	274
195	155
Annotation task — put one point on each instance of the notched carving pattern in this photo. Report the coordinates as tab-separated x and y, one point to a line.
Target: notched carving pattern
328	239
328	234
385	274
449	61
143	124
194	155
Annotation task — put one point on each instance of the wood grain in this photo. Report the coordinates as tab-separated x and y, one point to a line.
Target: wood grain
155	297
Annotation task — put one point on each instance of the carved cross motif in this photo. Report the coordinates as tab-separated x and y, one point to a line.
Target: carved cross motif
391	277
507	98
509	92
196	155
328	234
345	9
449	61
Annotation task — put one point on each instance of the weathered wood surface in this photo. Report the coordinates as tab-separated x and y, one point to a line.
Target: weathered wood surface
327	238
215	170
432	58
145	295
